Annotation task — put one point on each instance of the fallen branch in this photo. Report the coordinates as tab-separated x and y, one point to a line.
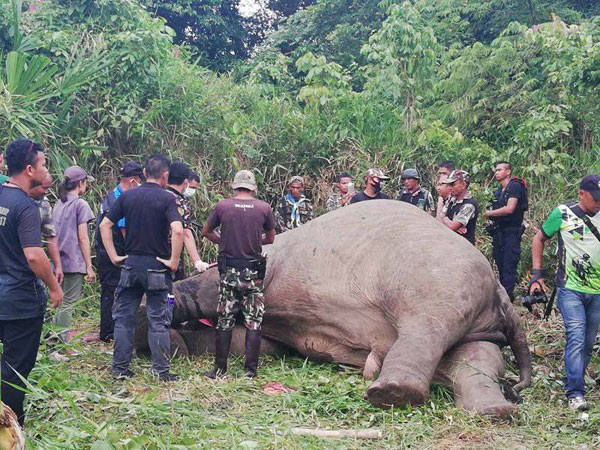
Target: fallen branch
356	434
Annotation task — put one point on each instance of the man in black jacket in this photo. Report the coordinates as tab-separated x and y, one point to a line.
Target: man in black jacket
509	205
109	274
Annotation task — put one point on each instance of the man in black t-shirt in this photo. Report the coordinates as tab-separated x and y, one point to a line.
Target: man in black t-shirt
22	264
243	220
373	184
508	208
150	215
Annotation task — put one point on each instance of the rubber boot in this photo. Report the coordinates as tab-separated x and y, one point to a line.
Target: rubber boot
222	344
252	349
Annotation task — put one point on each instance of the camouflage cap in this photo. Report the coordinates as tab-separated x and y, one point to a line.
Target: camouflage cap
244	179
410	173
296	179
458	175
376	173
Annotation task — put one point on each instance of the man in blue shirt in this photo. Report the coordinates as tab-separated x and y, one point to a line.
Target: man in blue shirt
109	274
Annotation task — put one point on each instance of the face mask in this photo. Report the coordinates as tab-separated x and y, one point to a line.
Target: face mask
377	187
189	192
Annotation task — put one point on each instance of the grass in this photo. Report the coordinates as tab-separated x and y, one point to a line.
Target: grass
76	405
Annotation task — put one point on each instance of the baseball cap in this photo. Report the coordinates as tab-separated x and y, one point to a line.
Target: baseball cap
410	173
591	183
131	169
296	179
458	175
244	179
76	173
376	173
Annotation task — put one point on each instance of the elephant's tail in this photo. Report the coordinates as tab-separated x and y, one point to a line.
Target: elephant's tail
516	338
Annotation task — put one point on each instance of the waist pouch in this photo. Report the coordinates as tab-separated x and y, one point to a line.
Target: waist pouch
259	264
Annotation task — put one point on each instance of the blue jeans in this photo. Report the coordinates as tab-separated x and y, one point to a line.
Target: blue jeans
581	315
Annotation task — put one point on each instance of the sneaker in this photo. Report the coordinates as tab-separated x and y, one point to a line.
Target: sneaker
168	377
578	403
123	375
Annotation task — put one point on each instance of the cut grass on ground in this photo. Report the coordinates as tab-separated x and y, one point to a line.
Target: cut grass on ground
77	405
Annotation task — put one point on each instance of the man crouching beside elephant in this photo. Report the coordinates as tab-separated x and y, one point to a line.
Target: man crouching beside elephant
242	219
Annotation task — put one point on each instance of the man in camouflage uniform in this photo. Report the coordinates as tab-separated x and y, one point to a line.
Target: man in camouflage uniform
38	194
241	287
463	209
413	193
179	174
243	220
294	209
342	197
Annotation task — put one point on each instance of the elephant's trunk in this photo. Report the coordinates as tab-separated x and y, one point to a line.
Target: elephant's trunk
517	340
185	307
196	297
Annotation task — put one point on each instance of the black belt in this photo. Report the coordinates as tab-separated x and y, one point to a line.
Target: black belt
235	263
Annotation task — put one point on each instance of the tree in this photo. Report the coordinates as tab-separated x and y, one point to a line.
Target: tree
215	29
402	57
286	8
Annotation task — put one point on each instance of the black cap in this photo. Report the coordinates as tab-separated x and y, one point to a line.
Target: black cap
131	169
591	183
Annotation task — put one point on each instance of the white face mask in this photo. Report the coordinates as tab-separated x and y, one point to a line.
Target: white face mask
189	192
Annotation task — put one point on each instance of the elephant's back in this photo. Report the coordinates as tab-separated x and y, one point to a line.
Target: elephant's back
382	242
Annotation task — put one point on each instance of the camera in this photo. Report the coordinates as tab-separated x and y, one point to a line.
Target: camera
537	297
491	226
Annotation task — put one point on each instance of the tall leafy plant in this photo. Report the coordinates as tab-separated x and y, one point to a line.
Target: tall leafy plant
402	60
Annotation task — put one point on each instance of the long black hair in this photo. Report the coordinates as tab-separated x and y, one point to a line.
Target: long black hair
66	185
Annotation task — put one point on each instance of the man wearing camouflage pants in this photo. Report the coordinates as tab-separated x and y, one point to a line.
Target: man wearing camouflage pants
243	220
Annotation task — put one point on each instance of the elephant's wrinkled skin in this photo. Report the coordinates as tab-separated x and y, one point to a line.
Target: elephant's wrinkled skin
385	287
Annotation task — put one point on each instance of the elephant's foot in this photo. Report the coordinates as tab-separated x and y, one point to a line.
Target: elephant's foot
474	371
407	369
386	394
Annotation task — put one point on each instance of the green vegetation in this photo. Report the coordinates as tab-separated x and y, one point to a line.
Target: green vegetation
338	85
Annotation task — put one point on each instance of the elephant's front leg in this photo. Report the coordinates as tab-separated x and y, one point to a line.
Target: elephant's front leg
474	370
409	366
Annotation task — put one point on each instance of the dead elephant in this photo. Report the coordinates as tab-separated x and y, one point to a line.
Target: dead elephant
383	286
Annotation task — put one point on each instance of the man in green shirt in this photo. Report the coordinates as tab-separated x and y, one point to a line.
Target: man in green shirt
577	281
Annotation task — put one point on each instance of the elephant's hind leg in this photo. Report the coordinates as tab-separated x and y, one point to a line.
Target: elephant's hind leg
408	368
473	370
